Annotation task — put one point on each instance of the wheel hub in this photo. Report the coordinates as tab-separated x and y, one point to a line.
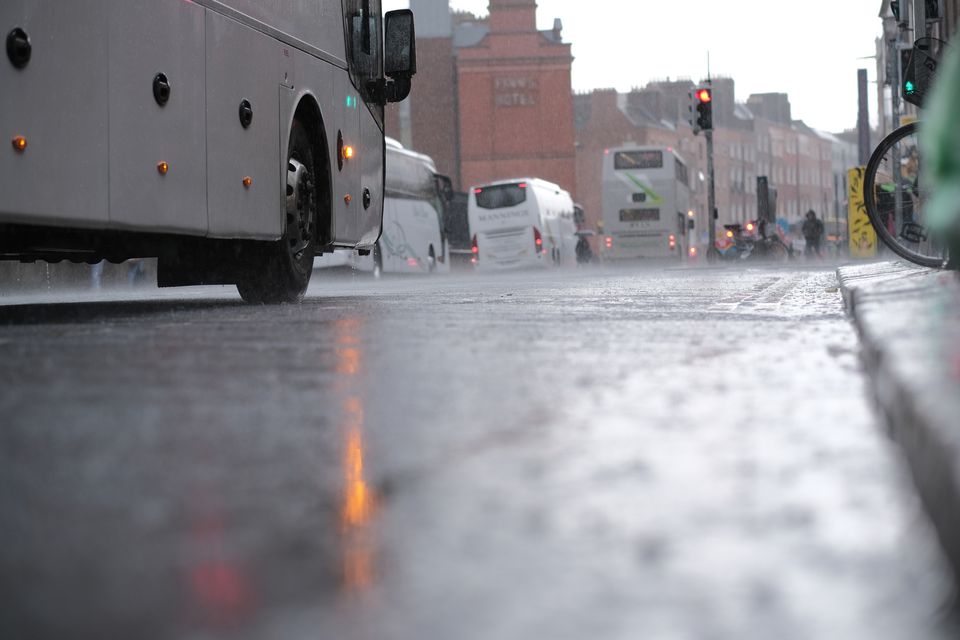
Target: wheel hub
300	197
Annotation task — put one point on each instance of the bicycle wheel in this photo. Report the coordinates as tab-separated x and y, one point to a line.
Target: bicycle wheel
895	193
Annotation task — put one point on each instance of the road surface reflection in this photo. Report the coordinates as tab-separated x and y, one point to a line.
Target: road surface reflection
359	502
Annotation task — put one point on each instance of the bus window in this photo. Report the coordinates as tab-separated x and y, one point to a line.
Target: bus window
364	35
501	196
683	176
638	160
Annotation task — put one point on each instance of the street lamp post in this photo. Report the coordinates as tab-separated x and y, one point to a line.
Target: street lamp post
891	29
711	196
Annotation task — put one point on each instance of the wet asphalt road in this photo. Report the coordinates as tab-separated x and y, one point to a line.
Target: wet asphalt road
586	454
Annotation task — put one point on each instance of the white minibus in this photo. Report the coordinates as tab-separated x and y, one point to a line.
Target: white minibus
524	222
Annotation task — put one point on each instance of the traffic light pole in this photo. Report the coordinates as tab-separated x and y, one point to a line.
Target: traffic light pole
711	199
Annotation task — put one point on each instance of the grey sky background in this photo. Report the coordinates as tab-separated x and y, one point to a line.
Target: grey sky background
808	49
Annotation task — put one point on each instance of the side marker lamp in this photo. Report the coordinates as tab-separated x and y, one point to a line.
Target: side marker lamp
19	144
348	152
247	182
163	168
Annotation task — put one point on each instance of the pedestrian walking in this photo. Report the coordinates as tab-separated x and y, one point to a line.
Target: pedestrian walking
813	234
583	250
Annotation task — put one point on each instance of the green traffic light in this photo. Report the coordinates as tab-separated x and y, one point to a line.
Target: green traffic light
909	87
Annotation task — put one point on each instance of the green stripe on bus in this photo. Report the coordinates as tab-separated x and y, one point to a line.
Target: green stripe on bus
653	195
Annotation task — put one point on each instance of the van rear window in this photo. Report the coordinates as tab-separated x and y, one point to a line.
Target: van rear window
501	196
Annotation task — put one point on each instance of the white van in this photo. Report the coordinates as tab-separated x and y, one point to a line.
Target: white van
519	223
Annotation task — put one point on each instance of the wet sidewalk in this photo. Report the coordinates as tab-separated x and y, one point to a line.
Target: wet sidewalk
909	323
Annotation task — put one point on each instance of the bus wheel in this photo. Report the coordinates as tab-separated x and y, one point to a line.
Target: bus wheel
280	272
431	260
377	261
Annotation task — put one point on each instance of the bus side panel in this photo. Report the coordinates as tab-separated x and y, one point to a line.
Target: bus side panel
339	105
243	64
146	38
409	230
59	104
392	241
314	22
370	218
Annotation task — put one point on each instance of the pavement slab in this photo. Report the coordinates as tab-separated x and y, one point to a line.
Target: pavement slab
908	318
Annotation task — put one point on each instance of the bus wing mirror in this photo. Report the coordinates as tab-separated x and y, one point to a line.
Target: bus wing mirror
444	187
399	53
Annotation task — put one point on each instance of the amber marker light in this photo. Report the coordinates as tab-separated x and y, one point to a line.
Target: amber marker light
20	144
348	152
348	198
163	168
248	182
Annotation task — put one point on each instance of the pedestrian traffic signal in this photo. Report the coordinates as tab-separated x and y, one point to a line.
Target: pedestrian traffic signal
704	109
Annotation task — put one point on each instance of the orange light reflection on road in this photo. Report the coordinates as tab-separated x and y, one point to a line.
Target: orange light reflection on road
359	503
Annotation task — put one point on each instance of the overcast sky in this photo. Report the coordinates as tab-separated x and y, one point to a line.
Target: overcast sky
808	49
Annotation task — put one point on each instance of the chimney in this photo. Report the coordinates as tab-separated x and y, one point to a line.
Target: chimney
513	16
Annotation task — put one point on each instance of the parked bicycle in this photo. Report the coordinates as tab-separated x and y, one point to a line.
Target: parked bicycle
895	191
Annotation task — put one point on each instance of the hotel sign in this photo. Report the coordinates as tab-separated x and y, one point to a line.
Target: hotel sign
515	92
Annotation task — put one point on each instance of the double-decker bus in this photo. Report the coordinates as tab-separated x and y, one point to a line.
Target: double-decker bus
646	198
524	222
233	140
414	238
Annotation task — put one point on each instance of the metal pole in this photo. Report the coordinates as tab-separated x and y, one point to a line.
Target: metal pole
863	119
836	210
711	196
895	151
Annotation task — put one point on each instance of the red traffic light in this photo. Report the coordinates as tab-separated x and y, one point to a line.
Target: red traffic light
703	95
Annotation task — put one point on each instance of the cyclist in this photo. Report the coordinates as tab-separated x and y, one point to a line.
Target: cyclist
813	234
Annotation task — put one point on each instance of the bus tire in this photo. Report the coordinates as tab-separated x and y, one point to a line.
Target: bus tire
280	271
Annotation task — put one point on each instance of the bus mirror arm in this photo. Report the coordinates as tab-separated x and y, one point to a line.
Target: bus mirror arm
389	90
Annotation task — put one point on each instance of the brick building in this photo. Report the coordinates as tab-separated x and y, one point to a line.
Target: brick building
492	98
751	139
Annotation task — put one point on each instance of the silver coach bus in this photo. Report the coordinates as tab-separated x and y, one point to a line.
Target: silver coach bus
231	139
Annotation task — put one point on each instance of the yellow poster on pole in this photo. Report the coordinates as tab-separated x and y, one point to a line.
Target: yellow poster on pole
863	237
